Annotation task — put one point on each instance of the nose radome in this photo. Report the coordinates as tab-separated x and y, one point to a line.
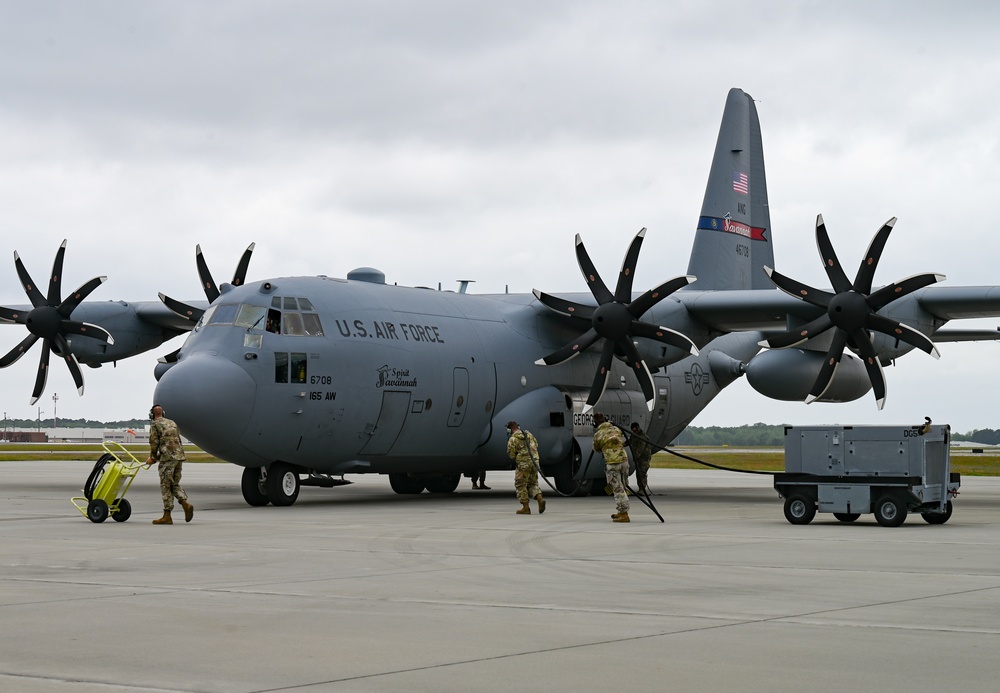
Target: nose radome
210	398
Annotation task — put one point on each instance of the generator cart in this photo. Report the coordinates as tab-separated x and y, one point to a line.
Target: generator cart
854	470
104	490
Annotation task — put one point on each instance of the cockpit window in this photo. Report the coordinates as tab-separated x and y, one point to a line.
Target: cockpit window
223	314
312	324
305	304
290	303
292	319
250	316
276	302
292	324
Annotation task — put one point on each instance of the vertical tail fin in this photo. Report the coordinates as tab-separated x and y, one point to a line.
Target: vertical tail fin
733	240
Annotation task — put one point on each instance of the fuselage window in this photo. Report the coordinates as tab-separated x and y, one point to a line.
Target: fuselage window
280	367
252	340
223	314
250	316
298	367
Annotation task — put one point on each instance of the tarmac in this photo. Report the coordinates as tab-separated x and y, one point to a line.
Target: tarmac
358	589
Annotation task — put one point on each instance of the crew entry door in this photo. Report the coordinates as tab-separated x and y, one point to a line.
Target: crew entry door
459	396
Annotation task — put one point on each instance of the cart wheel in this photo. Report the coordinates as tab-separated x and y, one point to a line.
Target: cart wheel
890	511
799	509
282	484
938	518
97	510
254	487
123	512
847	517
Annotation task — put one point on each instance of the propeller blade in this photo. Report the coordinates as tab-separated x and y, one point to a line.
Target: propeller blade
831	264
43	372
887	294
73	300
87	330
571	350
74	368
825	377
561	305
240	275
798	289
641	371
34	295
872	365
601	377
182	309
594	281
623	290
18	351
11	315
664	335
799	334
649	299
211	290
902	332
863	281
55	280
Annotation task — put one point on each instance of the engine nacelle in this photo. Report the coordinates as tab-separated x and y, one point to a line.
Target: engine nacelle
789	374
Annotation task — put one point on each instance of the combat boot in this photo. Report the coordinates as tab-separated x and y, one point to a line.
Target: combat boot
541	503
525	509
188	510
620	517
165	520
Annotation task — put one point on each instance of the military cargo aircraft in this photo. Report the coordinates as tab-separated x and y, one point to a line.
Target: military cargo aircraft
303	380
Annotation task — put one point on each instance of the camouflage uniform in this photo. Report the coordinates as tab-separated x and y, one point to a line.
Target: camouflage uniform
609	441
523	449
165	447
641	454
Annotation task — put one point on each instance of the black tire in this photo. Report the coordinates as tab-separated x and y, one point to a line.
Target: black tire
938	518
406	485
800	509
443	483
890	510
95	475
97	510
847	517
282	484
254	487
123	511
564	472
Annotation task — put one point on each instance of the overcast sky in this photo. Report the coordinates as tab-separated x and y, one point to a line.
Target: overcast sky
453	140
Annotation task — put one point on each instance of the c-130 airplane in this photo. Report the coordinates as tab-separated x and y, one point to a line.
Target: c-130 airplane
302	380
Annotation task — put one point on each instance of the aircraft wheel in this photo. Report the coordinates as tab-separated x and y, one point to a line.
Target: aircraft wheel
847	517
282	484
123	512
442	483
938	518
564	472
254	487
890	511
406	485
800	509
97	510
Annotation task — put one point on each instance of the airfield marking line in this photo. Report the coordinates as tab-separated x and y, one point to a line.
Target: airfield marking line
95	682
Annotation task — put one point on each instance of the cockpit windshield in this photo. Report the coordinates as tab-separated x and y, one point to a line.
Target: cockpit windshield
287	315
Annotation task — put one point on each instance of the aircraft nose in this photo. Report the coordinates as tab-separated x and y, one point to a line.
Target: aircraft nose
211	400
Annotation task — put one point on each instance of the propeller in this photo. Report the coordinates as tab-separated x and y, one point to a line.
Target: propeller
851	312
49	321
208	284
615	319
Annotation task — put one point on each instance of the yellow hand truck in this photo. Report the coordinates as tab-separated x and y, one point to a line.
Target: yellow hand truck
104	490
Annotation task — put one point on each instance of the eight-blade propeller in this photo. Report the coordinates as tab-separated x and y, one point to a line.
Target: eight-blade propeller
208	283
49	321
851	311
616	320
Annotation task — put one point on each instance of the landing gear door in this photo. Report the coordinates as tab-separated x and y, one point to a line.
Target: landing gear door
390	422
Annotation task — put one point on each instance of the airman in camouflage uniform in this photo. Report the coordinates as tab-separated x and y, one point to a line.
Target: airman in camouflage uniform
166	449
523	449
610	442
641	454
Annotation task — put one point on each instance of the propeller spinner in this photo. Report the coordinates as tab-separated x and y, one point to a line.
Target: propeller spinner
616	320
49	321
851	312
